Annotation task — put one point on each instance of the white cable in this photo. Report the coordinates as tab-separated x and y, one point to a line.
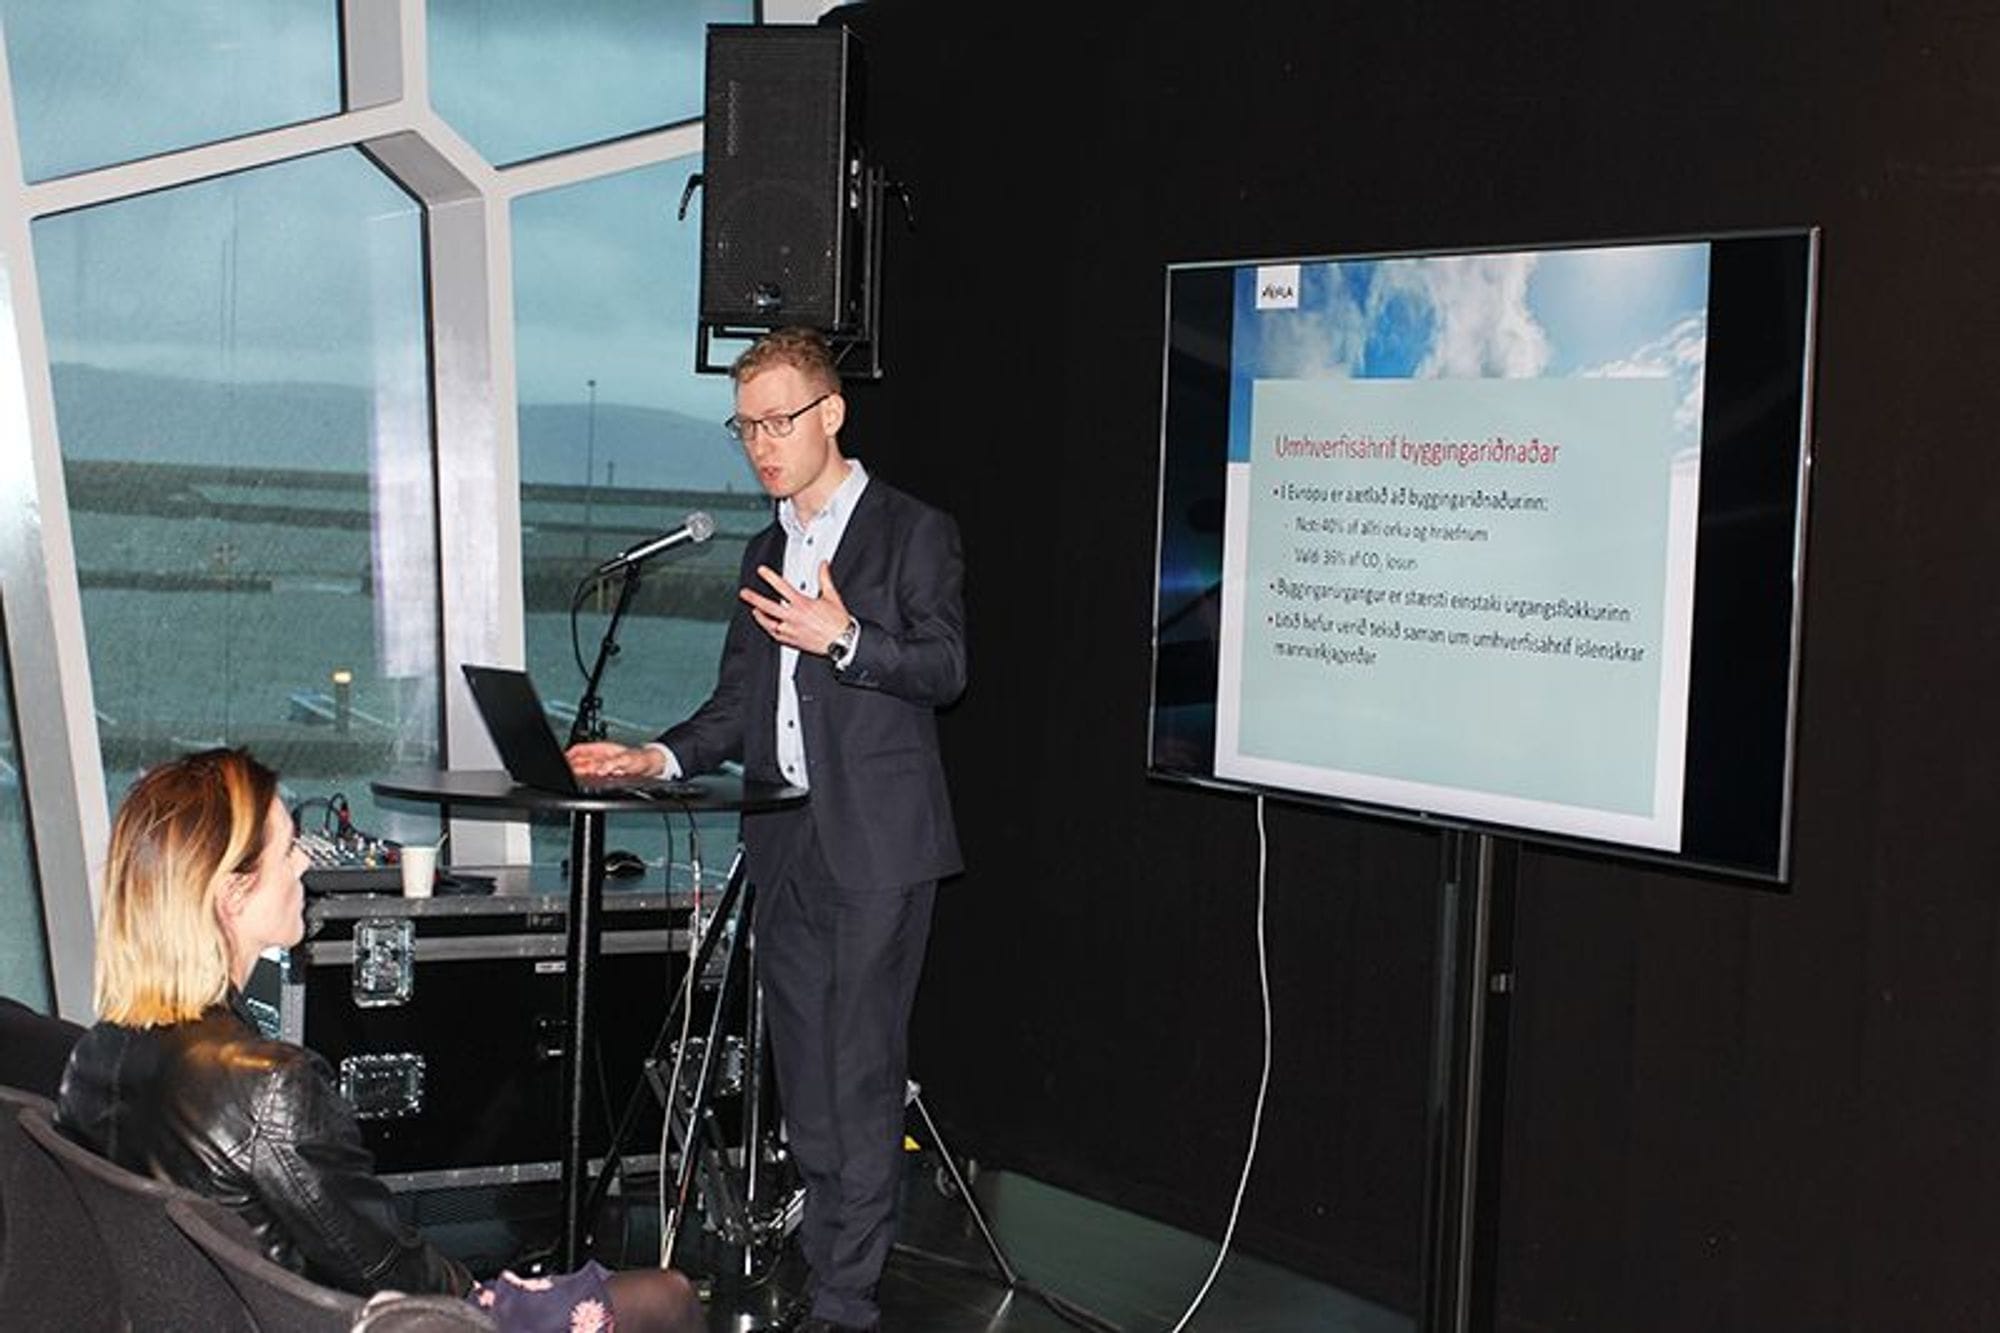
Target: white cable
1263	1082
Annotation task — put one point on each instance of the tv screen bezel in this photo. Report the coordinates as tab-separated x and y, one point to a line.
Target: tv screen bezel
1753	500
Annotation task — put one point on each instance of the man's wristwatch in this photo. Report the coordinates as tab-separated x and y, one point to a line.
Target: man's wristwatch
842	647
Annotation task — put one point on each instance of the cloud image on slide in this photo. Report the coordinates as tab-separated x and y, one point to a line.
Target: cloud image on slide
1485	328
1635	311
1681	355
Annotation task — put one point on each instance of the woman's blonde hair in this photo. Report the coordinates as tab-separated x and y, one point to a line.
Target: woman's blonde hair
184	829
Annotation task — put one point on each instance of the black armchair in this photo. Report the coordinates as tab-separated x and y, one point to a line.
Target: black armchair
281	1299
33	1047
163	1281
54	1271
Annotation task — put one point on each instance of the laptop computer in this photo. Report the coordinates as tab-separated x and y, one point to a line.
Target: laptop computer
512	711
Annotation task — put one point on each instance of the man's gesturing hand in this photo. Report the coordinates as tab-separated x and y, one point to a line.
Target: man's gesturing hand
795	620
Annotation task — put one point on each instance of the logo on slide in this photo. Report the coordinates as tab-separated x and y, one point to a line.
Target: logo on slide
1278	287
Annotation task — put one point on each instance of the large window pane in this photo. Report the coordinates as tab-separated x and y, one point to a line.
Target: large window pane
103	81
24	954
242	399
620	440
524	78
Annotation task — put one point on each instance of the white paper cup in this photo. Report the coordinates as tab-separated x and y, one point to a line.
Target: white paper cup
420	865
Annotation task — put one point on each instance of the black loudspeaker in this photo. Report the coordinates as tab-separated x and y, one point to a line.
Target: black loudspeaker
781	230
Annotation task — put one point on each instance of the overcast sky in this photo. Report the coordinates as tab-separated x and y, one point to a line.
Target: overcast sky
311	270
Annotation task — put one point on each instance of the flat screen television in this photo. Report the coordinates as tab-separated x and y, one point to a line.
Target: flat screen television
1510	539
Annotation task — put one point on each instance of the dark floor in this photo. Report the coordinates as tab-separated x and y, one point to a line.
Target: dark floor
1122	1272
1135	1274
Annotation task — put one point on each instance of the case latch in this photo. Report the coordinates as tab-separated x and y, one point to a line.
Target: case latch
385	961
383	1087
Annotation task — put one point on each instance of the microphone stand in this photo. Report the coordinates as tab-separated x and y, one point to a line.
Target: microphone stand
589	723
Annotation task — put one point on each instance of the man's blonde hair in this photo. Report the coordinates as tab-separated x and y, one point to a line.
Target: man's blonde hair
804	350
184	829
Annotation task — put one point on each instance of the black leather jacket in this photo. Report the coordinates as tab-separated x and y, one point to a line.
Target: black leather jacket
214	1106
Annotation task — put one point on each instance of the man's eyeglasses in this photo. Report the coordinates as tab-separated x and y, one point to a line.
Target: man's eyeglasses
777	426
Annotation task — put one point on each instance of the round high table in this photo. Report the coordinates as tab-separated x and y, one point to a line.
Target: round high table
493	789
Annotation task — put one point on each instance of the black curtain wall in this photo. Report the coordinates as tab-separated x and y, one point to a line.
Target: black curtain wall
1729	1108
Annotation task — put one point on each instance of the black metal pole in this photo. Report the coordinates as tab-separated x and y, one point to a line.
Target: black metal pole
753	1085
1467	1095
964	1188
586	891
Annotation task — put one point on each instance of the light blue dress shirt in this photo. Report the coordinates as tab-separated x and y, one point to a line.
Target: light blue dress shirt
807	545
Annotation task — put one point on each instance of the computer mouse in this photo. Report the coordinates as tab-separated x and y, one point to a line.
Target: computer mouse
624	865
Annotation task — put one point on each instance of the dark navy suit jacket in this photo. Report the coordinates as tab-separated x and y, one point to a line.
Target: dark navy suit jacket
879	802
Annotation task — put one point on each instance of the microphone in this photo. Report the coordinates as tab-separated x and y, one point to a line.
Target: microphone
697	527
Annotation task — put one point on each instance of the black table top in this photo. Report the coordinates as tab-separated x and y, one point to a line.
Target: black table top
494	788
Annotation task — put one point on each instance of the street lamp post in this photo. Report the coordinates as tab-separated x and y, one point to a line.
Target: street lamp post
589	456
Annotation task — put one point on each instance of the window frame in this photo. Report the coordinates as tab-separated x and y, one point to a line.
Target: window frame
466	207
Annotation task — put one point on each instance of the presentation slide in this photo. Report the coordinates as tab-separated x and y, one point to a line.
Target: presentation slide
1459	535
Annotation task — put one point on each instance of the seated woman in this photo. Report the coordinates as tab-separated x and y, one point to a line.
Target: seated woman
176	1082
